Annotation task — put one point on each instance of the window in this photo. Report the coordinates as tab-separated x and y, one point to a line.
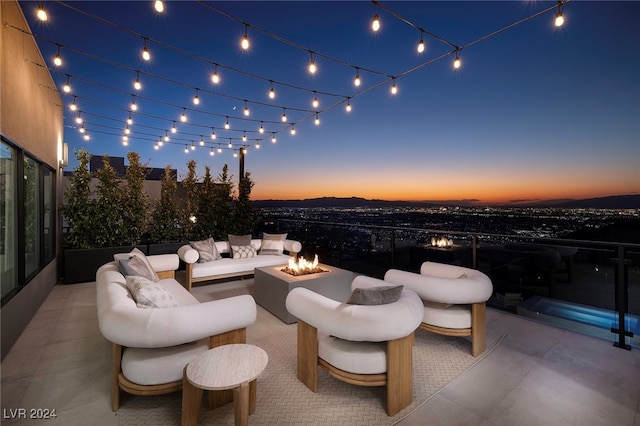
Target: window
27	218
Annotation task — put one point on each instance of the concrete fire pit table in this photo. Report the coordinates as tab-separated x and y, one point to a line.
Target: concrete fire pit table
272	285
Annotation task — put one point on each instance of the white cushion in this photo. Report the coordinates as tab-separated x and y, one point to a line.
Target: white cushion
235	266
354	357
160	365
447	316
243	252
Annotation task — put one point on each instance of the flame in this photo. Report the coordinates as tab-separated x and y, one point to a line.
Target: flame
441	242
302	266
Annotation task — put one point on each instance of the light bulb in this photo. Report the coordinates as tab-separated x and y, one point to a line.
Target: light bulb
219	149
173	129
160	143
244	150
273	138
42	14
127	131
166	137
211	152
226	124
235	154
125	138
81	129
87	137
230	144
133	105
137	85
348	107
315	102
67	87
312	67
215	78
559	19
257	145
272	93
201	141
156	147
245	40
196	100
213	134
57	61
375	25
79	120
456	62
145	54
186	149
193	147
73	106
261	130
129	121
317	120
284	117
183	117
159	5
394	89
293	130
357	81
421	46
244	137
246	110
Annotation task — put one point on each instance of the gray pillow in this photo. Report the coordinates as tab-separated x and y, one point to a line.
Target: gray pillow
206	249
134	266
375	295
118	257
272	244
150	294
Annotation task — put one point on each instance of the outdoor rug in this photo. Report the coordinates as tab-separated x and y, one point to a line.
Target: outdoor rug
283	400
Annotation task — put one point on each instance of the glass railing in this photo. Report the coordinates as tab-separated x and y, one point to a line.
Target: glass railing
587	286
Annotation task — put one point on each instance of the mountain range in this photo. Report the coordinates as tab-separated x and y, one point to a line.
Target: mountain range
611	202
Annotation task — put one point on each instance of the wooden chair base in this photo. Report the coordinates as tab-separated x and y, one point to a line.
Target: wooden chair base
477	331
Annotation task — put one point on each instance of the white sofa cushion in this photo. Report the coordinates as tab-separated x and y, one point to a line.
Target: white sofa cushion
447	316
227	265
160	365
354	357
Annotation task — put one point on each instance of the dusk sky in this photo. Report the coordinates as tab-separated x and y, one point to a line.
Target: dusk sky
534	112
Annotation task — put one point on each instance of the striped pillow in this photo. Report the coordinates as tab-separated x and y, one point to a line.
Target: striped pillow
272	244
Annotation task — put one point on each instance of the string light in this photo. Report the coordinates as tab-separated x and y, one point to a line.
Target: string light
129	120
375	24
67	86
261	130
272	92
136	84
246	109
201	141
173	129
133	106
160	143
244	149
87	137
559	18
226	124
284	115
196	98
356	81
420	47
230	144
57	60
293	130
82	129
317	121
235	154
79	119
245	39
273	138
166	137
394	89
258	145
183	117
145	51
73	106
155	146
244	137
315	101
186	149
312	64
348	107
193	147
215	78
219	149
159	6
213	133
456	62
42	14
211	152
127	130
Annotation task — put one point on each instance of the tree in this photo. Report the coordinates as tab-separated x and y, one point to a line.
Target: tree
135	200
190	210
205	224
222	212
78	208
108	227
244	218
166	214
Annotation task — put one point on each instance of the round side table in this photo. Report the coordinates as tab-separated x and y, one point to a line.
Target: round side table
235	367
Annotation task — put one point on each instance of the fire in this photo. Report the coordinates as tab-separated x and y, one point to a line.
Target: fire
441	242
302	266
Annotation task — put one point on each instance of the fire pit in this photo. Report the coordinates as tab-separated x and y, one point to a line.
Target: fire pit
301	266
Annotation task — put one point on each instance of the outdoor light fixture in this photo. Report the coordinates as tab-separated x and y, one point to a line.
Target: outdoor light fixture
125	138
272	92
559	18
145	52
284	115
213	133
261	129
159	6
183	117
348	107
166	137
246	109
42	14
57	60
173	129
420	44
230	144
67	86
273	138
160	142
245	39
127	130
129	120
215	78
73	106
356	81
394	89
293	130
133	106
244	149
219	149
136	84
456	61
315	101
226	124
155	146
312	65
186	149
317	121
211	152
375	24
244	137
79	119
196	98
82	129
201	141
87	137
258	145
235	154
193	147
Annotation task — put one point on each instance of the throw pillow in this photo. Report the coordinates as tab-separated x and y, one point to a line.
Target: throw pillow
149	293
134	267
272	244
375	295
243	252
206	249
135	252
239	240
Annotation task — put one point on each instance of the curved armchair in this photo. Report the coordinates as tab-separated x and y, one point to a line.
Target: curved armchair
152	346
366	345
454	299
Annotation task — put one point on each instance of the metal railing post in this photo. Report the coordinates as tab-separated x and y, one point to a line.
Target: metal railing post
621	300
393	248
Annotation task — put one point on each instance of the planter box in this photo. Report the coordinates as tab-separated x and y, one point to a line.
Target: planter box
80	265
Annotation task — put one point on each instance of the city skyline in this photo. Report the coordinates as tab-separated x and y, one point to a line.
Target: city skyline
535	112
